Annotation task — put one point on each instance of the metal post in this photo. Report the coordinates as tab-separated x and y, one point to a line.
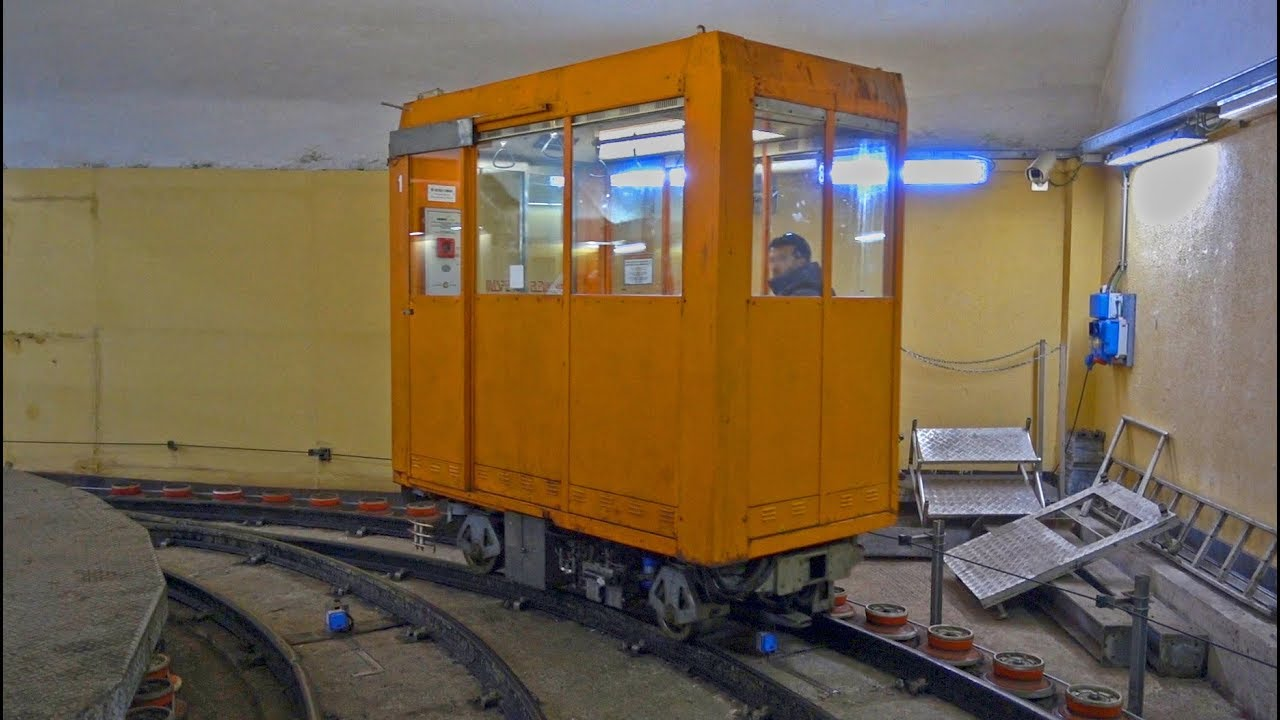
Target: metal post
1041	360
1138	642
938	535
935	576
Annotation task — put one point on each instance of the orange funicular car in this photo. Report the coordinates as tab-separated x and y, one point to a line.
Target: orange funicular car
645	321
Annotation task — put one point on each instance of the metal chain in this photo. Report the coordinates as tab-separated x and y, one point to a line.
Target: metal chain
983	361
948	365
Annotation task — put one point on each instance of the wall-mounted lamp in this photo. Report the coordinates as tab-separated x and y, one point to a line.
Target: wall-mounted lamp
1159	145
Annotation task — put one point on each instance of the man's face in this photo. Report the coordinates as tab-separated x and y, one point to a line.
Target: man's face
783	260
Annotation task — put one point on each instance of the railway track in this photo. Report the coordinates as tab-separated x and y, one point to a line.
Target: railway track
499	684
764	695
277	654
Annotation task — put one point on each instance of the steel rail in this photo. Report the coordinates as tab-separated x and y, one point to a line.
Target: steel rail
494	675
277	653
954	685
764	695
267	514
960	688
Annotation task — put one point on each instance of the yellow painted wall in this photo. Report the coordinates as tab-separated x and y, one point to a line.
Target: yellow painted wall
249	308
215	307
982	277
1202	259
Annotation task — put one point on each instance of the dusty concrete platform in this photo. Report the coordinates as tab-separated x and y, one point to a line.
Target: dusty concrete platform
1026	629
84	603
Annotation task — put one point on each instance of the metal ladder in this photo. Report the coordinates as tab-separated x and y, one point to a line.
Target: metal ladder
1246	587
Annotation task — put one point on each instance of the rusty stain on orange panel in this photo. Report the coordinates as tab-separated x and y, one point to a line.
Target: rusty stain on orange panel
521	383
622	510
825	83
782	517
624	417
784	370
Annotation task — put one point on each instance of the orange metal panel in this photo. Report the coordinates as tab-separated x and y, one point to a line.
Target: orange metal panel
782	517
624	417
436	471
521	383
712	523
399	304
437	393
845	504
651	73
608	531
785	379
668	400
629	512
825	83
858	401
541	491
827	532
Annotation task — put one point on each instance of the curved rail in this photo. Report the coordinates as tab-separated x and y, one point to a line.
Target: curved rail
263	513
765	696
493	673
280	657
712	663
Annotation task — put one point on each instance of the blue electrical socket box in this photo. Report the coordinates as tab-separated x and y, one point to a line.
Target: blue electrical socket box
338	619
1111	321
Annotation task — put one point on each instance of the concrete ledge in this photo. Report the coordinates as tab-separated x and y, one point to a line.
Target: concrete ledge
1103	632
1251	685
1169	653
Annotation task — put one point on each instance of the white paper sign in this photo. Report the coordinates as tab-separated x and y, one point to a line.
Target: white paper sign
442	193
637	271
515	277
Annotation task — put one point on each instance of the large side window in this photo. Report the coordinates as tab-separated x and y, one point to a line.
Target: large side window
520	209
628	190
787	244
862	254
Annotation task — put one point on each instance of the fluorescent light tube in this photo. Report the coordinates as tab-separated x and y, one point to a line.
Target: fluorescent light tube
946	171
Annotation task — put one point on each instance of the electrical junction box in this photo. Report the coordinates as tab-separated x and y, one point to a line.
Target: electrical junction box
1111	319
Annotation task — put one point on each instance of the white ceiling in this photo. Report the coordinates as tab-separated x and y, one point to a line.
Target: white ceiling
298	82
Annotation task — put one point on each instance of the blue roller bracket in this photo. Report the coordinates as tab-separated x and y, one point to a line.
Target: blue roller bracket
1111	317
338	620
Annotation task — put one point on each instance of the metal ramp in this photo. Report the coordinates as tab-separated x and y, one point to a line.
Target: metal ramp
1027	552
941	497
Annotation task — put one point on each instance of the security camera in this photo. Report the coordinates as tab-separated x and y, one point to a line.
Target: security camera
1038	171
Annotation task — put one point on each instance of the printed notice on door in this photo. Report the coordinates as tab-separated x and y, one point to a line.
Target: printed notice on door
637	271
442	193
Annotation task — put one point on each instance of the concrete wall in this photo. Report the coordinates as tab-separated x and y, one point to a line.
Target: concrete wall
248	308
1202	259
1165	49
209	307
